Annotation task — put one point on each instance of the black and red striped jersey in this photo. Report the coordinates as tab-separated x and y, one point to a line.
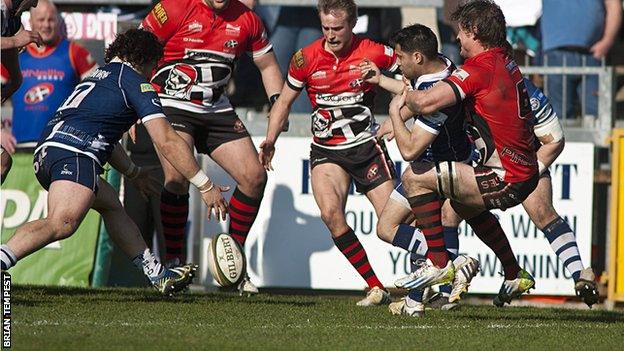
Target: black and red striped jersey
342	102
201	47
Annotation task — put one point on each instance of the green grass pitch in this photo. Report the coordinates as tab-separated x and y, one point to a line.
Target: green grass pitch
139	319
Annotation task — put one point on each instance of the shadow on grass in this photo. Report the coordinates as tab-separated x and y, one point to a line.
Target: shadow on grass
548	315
31	296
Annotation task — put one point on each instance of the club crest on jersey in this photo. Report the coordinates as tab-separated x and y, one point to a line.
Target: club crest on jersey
373	172
230	44
298	59
534	104
356	83
38	93
160	14
180	80
195	26
461	74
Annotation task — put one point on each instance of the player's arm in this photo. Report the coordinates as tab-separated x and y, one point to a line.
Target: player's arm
550	135
140	177
277	119
11	64
271	75
426	102
22	38
372	74
613	23
410	143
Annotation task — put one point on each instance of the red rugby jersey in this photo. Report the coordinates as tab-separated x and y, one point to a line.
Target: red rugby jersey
342	102
493	90
201	47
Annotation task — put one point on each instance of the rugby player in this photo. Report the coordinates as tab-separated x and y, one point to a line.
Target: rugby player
84	135
344	147
203	39
495	96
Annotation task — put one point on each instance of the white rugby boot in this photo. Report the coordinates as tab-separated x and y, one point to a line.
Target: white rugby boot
466	268
407	307
427	275
375	297
246	287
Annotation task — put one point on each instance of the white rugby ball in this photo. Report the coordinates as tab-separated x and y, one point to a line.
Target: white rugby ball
226	260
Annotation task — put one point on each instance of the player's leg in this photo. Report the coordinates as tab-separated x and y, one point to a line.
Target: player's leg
539	207
174	199
5	164
124	232
62	220
330	186
239	159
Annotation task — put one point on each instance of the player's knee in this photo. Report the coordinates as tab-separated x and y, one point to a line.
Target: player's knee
385	230
63	227
333	218
254	181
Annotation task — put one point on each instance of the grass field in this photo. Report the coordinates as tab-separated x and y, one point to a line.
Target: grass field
124	319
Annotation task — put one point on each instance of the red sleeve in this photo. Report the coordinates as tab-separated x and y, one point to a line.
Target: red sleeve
470	79
383	56
298	70
258	42
4	75
81	60
163	20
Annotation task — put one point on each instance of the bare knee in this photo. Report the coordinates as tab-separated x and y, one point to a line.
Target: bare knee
334	220
253	182
386	231
63	227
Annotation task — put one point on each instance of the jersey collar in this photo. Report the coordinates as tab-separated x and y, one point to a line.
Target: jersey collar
437	76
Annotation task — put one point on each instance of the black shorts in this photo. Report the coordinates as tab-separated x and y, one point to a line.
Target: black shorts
497	193
209	130
368	164
53	163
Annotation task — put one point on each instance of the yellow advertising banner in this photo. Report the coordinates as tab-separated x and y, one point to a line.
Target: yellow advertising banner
616	255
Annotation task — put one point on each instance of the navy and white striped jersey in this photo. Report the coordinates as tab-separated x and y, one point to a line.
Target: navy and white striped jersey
542	109
451	143
105	105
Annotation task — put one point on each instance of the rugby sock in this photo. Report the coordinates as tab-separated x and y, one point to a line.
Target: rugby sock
406	238
353	250
243	211
428	214
8	257
174	211
451	239
488	229
149	264
563	242
416	295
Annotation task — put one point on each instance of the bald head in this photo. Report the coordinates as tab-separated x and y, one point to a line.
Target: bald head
44	19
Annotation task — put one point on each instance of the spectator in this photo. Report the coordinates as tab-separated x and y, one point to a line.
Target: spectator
50	73
577	33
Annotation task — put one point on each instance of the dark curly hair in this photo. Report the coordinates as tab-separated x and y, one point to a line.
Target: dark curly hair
135	46
485	20
416	37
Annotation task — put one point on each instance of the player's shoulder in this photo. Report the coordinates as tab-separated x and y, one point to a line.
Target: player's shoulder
304	56
167	10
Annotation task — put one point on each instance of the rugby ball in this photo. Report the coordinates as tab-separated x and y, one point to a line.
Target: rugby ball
226	260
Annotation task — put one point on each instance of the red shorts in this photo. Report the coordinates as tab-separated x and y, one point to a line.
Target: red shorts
497	193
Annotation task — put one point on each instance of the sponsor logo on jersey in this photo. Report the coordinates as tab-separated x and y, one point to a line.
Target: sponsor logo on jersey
99	74
38	93
180	80
44	74
146	87
230	44
66	171
232	30
318	75
535	103
160	14
192	40
461	74
195	26
356	83
388	51
298	59
339	99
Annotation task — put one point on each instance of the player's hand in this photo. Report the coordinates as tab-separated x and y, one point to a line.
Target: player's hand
397	102
600	49
132	133
386	130
370	72
215	202
24	37
8	141
267	150
146	183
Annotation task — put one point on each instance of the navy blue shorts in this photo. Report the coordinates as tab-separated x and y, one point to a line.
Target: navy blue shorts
53	163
